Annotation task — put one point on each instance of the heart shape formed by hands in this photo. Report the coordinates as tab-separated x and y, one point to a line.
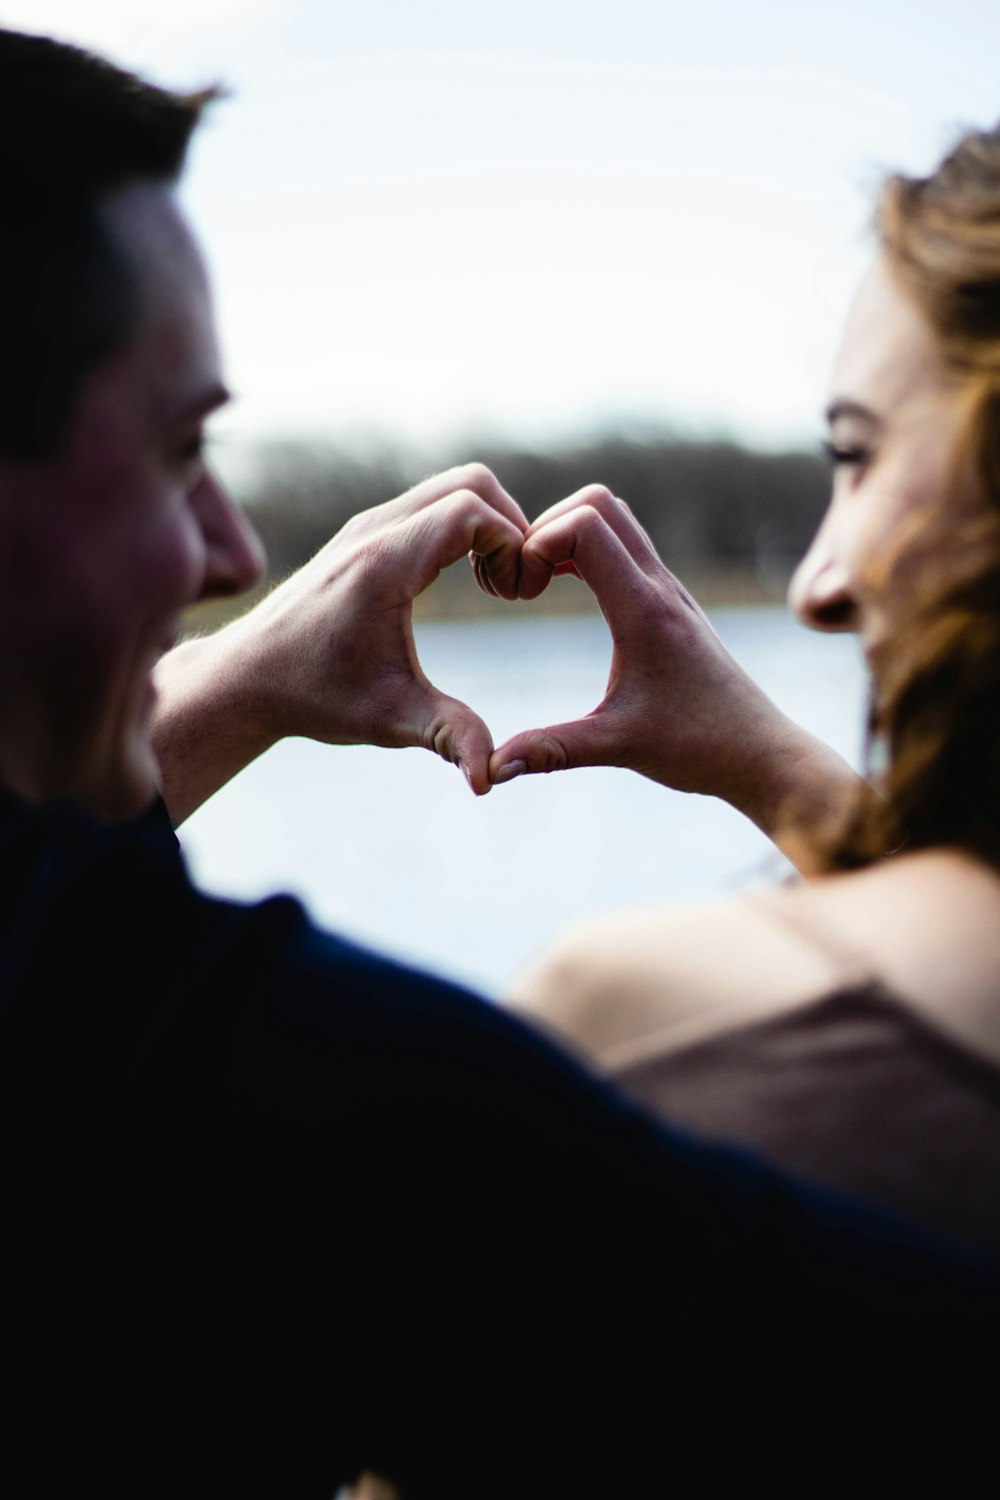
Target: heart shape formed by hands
674	694
330	654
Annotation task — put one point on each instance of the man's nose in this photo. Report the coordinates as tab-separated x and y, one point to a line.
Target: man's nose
234	553
821	591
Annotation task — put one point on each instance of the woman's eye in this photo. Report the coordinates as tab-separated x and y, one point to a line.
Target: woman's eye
844	456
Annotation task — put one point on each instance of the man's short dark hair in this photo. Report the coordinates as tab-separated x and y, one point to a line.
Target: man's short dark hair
73	129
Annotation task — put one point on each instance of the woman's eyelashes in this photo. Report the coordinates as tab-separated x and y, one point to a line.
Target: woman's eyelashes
847	455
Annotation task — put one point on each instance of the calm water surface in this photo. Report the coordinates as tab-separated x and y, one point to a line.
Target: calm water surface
390	847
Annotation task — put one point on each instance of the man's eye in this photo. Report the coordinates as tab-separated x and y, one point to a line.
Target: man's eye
844	456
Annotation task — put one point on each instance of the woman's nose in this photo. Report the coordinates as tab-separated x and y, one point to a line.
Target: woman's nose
234	554
821	592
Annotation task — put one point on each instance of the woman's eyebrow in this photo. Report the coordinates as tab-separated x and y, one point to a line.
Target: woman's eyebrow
844	407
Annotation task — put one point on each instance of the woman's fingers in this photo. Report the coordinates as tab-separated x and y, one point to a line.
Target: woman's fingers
557	747
536	570
582	538
538	567
614	512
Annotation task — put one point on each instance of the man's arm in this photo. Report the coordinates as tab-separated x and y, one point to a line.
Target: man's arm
678	708
330	653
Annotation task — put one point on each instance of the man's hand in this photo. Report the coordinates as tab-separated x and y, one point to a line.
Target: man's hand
330	653
678	708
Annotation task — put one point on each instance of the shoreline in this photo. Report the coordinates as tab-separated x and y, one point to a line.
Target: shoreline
455	596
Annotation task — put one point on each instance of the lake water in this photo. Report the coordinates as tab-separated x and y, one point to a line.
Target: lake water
390	846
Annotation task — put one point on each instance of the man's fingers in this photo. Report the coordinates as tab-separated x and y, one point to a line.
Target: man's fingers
531	578
481	572
475	478
453	731
420	714
437	536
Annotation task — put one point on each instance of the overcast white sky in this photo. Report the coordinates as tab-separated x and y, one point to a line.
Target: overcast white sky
533	217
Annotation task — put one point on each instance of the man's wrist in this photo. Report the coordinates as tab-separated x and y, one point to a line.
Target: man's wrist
209	722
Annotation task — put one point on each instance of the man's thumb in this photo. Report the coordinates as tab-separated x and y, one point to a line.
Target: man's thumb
459	735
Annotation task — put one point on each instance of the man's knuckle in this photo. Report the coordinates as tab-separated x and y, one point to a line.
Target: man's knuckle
463	506
598	496
590	521
476	476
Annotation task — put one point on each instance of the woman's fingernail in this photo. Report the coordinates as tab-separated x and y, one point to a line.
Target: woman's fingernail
510	770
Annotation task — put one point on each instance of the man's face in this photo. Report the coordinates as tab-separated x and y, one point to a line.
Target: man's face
109	541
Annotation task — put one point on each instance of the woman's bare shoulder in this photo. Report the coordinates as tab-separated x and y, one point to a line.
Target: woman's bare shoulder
659	978
927	925
663	975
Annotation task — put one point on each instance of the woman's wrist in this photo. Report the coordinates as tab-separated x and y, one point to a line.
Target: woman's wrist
797	792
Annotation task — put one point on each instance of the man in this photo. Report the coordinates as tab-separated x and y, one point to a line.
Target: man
277	1210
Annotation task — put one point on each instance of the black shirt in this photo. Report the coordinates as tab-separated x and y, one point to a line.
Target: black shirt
276	1209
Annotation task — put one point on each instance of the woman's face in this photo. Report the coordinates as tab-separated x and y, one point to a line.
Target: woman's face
895	416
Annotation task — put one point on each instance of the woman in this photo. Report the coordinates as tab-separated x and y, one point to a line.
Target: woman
847	1026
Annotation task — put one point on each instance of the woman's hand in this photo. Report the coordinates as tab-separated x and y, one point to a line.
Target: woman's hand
678	708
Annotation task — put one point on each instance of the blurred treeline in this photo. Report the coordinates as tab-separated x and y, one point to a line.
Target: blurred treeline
730	521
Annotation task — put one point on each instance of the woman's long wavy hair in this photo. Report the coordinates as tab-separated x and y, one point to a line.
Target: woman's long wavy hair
935	712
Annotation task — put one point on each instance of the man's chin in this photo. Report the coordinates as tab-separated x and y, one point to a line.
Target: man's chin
132	804
127	792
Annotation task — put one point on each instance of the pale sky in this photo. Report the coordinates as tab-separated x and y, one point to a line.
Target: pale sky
535	217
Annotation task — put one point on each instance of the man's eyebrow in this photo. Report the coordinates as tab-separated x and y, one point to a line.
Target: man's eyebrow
844	407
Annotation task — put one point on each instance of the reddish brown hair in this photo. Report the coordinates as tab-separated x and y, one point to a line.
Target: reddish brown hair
935	716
